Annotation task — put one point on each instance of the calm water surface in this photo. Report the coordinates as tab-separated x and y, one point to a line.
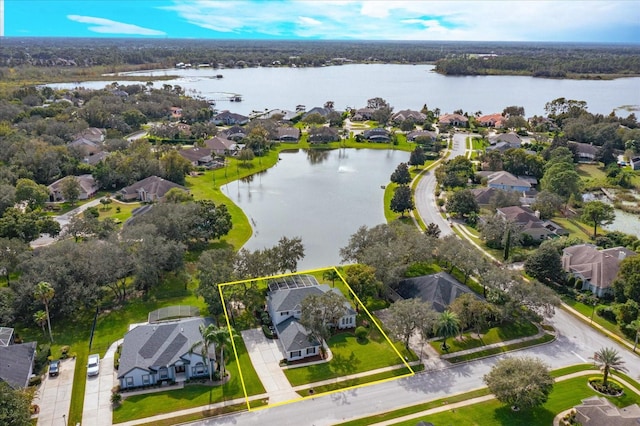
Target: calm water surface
321	200
403	86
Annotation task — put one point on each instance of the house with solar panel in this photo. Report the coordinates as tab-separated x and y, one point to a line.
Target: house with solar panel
162	351
284	302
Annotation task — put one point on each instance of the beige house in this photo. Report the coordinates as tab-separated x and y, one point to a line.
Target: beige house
530	223
596	268
88	188
151	189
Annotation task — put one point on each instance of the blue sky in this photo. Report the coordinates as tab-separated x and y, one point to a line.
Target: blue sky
534	20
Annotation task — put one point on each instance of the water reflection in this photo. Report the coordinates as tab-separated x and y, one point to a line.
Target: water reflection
323	202
317	156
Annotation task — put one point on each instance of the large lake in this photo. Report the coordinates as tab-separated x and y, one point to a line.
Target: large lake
403	86
322	197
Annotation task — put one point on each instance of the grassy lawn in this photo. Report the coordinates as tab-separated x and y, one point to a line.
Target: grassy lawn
360	380
500	349
587	310
448	400
565	395
140	406
349	357
493	335
118	211
576	229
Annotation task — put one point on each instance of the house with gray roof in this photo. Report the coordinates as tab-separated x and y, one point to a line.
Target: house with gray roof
507	182
150	189
596	411
407	114
88	188
284	303
288	134
221	146
230	118
530	222
16	360
164	352
197	156
596	268
377	135
421	135
439	289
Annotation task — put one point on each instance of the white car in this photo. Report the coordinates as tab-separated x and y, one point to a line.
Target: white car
93	366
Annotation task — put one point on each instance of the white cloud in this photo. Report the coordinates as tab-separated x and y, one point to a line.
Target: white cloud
411	20
305	20
107	26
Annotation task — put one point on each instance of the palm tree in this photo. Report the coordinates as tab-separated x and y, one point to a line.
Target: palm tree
44	292
40	318
447	326
207	334
607	359
331	274
221	338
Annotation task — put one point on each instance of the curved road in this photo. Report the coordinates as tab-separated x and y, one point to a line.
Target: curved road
575	343
424	193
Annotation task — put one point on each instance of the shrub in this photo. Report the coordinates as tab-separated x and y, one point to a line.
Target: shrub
578	284
35	381
440	202
571	282
42	357
116	399
64	352
607	313
612	388
361	332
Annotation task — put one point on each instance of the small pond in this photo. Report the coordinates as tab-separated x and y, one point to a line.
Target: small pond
322	196
624	222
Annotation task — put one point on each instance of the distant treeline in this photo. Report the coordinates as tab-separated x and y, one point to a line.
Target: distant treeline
455	58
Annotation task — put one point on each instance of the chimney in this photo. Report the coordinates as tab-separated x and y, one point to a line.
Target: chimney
621	255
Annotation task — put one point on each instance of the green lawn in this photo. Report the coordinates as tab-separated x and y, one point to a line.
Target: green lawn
349	357
498	334
565	395
118	211
141	406
448	400
360	380
500	349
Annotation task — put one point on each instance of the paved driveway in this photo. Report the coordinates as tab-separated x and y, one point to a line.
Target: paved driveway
54	396
97	394
265	355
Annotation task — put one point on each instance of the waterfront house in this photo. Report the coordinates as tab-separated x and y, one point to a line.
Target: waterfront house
596	268
530	223
491	120
456	120
284	303
164	352
150	189
377	135
407	114
440	290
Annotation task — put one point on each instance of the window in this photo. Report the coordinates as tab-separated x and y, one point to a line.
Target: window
163	373
129	381
296	354
198	369
146	379
311	351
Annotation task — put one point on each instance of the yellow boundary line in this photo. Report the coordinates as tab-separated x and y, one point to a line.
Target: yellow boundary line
309	272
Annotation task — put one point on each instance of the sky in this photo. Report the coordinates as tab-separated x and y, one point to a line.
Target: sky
533	20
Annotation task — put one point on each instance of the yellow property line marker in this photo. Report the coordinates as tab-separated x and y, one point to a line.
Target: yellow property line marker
356	298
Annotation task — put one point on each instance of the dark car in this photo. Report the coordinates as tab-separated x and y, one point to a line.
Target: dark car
54	368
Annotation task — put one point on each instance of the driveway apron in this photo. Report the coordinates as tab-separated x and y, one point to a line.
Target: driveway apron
265	355
54	396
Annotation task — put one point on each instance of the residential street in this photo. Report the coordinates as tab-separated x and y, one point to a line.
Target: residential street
424	194
575	344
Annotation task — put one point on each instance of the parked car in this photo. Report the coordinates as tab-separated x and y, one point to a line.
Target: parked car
93	366
54	368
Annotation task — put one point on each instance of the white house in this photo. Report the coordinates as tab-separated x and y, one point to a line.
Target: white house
284	303
163	352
